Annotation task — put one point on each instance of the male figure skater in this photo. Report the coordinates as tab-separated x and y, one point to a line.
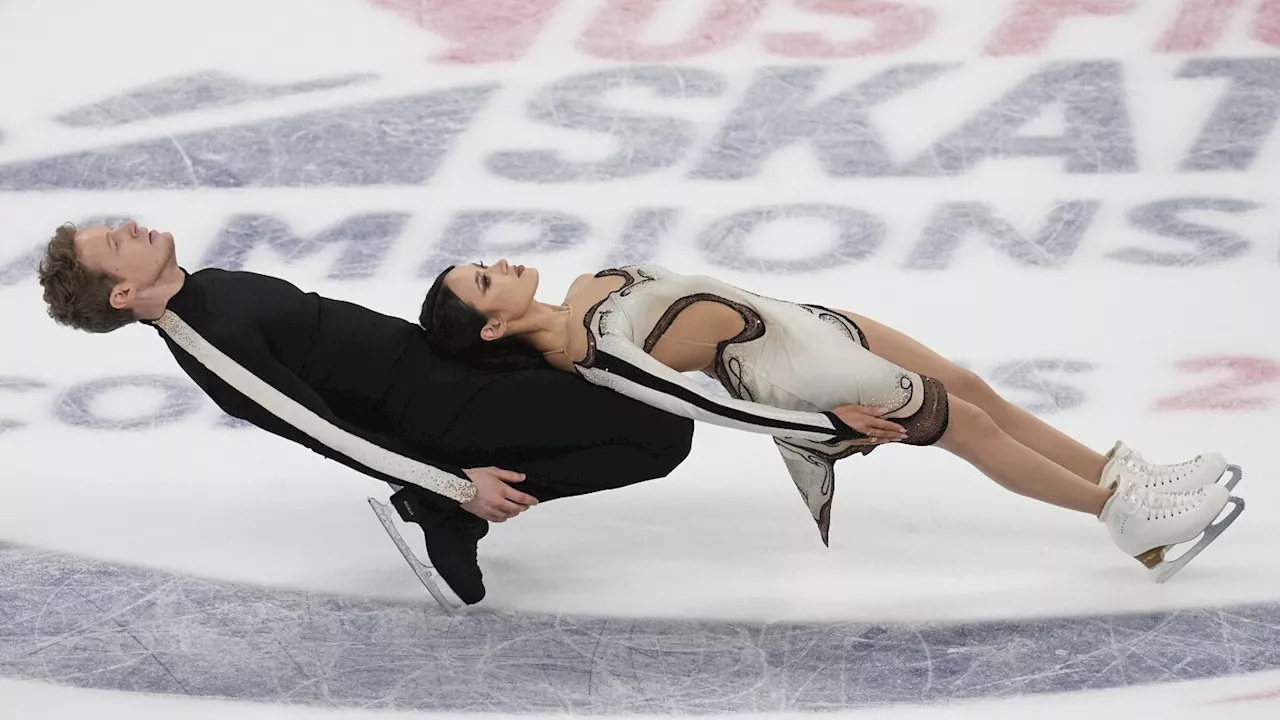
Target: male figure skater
364	389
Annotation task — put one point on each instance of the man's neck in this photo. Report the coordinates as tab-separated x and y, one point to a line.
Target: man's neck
158	296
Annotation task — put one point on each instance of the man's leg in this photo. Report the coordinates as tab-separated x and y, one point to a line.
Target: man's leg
541	418
567	436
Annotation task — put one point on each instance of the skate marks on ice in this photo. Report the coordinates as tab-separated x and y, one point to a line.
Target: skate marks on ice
72	621
189	93
377	142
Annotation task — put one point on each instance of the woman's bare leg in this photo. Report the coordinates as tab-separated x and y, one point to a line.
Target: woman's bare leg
1021	425
974	436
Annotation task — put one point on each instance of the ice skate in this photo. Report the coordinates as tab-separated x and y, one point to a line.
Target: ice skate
1204	469
453	576
1148	523
430	580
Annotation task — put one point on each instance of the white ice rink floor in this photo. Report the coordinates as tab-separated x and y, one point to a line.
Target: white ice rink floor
1075	198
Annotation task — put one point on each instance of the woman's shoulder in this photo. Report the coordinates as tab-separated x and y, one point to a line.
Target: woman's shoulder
642	269
611	277
579	281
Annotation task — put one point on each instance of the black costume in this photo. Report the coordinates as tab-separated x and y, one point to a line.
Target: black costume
365	389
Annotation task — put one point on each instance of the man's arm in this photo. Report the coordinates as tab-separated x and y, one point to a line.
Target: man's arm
272	398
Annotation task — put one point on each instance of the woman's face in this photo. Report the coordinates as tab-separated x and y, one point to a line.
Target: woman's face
502	292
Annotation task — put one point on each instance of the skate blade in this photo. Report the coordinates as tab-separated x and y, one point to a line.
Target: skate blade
1236	474
1168	568
424	572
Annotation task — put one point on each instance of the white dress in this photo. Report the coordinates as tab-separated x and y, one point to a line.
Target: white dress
785	372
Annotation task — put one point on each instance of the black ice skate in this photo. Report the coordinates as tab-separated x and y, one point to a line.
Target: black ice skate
453	576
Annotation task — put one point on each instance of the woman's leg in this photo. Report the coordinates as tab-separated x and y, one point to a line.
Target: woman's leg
974	436
1021	425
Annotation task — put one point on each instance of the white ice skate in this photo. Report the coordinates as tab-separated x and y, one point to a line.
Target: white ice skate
434	584
1205	469
1147	523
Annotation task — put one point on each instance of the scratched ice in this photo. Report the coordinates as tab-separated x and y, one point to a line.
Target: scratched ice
86	624
1027	187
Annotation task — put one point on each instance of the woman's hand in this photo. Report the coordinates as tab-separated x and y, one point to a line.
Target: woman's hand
867	421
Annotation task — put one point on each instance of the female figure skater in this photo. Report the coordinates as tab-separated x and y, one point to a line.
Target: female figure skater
825	384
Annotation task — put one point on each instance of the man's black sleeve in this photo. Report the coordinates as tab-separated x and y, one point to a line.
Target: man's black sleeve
243	377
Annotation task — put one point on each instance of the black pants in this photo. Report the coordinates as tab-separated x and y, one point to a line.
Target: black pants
567	436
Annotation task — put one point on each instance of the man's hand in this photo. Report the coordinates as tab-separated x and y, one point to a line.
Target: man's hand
495	500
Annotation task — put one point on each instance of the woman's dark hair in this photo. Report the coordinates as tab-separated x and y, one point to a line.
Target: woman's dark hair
453	329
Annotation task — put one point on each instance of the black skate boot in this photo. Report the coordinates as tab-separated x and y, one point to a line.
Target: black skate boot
452	535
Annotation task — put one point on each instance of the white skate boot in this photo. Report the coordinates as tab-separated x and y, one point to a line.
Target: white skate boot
1147	523
1205	469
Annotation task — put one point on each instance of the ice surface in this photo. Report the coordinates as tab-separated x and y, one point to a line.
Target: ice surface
1083	217
87	624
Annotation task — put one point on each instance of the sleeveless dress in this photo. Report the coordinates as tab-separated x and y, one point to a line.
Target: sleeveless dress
785	372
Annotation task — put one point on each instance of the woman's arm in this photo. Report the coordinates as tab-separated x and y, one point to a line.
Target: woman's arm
620	365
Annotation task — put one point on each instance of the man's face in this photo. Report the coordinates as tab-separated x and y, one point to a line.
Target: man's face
133	255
